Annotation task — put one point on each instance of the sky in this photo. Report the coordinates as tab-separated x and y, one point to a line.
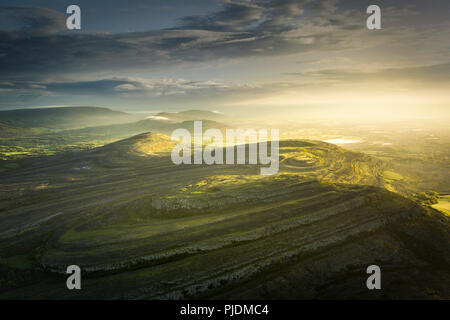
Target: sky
158	55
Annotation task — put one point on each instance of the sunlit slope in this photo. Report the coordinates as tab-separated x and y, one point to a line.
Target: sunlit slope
141	227
146	144
330	163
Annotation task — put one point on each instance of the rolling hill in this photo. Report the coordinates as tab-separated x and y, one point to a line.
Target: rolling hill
143	228
121	131
62	117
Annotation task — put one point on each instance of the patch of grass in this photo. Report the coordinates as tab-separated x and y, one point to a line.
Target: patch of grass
8	166
391	175
21	262
443	205
224	183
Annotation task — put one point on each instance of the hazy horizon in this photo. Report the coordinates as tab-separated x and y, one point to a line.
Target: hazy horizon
306	58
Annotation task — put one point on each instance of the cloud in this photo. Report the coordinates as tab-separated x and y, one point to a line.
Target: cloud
40	62
145	87
126	87
234	15
239	30
143	91
31	20
425	75
171	92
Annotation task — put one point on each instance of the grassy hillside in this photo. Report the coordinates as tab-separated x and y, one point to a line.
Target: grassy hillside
141	227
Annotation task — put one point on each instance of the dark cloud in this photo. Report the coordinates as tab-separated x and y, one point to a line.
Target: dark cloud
31	20
235	15
241	29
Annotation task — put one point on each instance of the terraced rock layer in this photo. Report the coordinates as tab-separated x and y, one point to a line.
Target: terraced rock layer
143	228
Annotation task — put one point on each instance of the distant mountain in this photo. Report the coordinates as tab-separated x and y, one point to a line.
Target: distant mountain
62	117
120	131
